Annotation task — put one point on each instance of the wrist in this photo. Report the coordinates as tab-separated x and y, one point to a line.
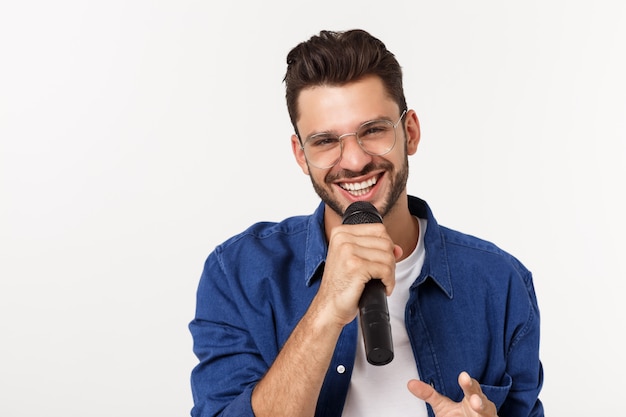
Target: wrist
322	318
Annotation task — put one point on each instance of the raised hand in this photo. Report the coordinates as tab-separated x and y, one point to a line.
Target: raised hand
474	403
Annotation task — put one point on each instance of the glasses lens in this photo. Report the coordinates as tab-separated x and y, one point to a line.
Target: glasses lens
377	137
323	150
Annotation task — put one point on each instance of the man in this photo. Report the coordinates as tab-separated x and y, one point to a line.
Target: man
276	328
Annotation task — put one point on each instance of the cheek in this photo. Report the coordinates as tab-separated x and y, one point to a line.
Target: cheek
398	158
318	177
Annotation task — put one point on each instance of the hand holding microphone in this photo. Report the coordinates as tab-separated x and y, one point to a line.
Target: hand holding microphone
373	310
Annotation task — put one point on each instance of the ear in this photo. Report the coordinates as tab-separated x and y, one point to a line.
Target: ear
299	154
412	130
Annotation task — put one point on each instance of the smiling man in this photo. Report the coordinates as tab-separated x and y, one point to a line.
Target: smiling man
276	328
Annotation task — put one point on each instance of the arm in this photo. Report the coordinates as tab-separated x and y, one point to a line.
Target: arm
257	380
222	341
292	385
293	382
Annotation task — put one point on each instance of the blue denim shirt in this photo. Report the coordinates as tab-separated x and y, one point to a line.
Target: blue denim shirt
472	308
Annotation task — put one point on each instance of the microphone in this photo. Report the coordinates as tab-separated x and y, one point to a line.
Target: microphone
373	310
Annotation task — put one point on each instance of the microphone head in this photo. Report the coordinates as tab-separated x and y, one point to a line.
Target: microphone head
361	212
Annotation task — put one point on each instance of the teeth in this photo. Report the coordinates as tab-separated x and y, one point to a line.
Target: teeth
358	188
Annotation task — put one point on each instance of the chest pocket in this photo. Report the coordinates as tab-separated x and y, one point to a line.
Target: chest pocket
498	393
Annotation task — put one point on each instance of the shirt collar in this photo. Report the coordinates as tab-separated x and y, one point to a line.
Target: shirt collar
436	260
316	246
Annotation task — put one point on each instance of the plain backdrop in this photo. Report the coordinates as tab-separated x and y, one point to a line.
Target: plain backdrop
137	135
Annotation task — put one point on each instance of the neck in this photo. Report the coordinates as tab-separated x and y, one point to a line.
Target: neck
403	228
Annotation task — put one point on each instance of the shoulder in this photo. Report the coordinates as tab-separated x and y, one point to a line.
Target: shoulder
478	266
267	233
473	250
446	246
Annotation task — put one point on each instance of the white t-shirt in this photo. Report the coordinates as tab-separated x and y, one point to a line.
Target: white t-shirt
377	391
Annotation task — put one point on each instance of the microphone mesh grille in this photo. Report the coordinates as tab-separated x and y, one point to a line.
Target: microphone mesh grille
361	212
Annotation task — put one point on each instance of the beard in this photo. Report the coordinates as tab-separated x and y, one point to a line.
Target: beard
398	185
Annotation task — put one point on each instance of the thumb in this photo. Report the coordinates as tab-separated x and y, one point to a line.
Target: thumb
397	252
425	392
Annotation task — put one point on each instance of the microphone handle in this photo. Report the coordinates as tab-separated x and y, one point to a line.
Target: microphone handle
375	324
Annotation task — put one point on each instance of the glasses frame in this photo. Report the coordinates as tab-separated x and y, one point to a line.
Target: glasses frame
358	140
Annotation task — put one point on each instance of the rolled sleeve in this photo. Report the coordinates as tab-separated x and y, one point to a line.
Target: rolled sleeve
229	361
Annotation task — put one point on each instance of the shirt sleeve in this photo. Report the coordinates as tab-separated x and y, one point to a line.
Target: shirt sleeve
523	364
230	363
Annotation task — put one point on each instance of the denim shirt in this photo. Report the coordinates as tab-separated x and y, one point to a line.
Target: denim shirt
472	308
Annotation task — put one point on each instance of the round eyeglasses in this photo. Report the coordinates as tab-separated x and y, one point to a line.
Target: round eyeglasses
376	138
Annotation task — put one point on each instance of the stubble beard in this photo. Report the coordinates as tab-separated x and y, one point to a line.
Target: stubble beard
398	185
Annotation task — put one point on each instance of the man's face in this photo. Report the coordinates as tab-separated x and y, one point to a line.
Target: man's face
381	180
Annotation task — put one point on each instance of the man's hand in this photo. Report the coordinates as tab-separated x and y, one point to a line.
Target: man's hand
474	404
356	254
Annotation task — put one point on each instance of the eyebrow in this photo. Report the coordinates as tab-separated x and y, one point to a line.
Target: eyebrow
335	133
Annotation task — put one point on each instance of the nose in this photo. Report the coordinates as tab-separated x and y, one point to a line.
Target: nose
353	157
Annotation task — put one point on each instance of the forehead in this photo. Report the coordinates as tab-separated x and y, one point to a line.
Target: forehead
344	107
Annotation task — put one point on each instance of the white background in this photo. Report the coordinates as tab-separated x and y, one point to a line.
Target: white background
137	135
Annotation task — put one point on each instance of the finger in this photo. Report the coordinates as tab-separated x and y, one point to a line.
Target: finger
364	229
468	384
366	257
477	400
397	252
483	406
359	232
425	392
367	247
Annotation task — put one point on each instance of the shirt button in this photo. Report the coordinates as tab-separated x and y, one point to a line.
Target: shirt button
341	369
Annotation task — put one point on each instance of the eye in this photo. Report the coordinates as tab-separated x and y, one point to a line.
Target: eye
322	141
374	129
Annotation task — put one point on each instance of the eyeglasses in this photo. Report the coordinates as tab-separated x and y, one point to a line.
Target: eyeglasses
376	138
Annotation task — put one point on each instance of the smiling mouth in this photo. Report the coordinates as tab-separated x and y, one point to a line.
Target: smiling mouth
359	188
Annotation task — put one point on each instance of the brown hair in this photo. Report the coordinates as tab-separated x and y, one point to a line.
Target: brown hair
337	58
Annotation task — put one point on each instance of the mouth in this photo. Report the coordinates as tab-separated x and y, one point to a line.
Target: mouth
360	188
